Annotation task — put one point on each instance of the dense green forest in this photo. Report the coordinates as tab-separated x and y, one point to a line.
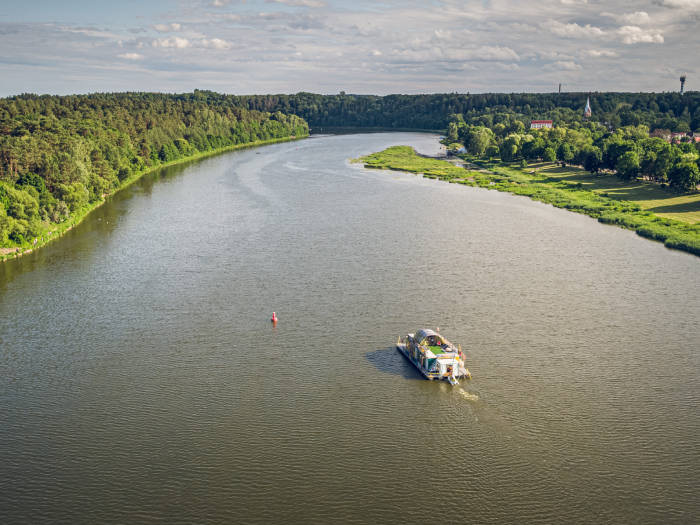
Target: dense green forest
61	155
671	111
628	151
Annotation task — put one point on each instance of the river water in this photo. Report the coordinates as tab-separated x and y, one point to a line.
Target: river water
141	381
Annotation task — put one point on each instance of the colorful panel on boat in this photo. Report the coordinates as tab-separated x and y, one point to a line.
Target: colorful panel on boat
434	356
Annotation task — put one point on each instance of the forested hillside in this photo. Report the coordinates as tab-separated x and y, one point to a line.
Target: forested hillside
60	155
670	111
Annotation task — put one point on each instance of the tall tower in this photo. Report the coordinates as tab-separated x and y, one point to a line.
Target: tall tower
587	110
682	83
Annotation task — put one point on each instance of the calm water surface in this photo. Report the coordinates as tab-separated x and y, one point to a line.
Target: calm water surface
140	379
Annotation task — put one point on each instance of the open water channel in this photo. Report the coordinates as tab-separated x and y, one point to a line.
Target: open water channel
141	381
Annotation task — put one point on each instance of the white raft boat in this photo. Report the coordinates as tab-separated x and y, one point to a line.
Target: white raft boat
434	356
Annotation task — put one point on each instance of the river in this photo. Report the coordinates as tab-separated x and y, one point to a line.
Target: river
141	379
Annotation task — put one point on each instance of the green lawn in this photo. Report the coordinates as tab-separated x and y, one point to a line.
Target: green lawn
648	195
404	158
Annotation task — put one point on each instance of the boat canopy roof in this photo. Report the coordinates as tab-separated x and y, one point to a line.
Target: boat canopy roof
423	334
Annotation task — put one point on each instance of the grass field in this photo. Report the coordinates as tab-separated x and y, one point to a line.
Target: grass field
650	196
648	209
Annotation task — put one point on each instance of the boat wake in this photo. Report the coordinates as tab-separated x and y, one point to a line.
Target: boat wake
294	167
468	395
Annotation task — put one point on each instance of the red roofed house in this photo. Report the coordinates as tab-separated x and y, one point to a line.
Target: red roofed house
537	124
679	136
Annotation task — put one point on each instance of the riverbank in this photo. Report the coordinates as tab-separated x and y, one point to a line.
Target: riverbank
345	130
537	184
56	230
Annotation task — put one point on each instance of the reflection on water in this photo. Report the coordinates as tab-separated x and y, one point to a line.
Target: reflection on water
141	379
91	233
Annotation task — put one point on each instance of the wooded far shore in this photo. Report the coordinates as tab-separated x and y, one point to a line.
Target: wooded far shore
60	156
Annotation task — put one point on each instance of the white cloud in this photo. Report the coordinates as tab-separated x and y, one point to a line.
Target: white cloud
442	34
563	65
174	42
596	53
229	17
184	43
637	35
215	43
167	28
551	55
439	54
365	46
299	3
495	53
91	32
679	4
636	18
573	30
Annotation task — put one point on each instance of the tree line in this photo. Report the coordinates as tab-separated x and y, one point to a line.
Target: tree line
624	133
59	154
671	111
628	151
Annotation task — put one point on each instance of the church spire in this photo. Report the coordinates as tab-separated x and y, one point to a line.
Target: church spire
587	109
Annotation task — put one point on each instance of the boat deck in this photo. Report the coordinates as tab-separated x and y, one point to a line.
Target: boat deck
464	372
402	348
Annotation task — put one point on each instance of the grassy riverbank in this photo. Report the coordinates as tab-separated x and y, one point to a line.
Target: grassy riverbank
569	188
54	231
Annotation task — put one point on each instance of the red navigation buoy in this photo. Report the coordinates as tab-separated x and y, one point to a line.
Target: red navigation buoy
274	317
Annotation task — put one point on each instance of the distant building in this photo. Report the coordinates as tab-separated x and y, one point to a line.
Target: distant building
676	137
587	110
538	124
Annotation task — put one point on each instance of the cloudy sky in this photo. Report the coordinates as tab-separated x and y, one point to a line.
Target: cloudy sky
359	46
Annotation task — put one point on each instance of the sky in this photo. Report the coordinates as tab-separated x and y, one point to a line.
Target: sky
361	46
